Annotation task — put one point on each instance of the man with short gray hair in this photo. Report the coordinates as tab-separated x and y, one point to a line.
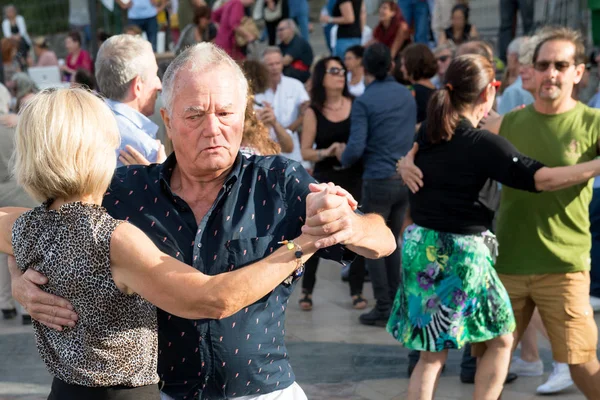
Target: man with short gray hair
282	105
126	72
297	52
515	95
214	209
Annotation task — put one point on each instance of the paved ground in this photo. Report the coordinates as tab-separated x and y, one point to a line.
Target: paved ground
334	357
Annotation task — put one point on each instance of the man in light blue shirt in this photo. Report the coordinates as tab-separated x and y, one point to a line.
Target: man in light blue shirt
126	72
514	95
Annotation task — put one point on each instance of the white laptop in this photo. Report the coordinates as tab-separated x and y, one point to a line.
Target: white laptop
46	77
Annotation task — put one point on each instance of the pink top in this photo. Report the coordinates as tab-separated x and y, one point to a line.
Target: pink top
229	17
83	61
47	59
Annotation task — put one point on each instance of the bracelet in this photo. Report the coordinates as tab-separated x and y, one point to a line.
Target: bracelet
298	253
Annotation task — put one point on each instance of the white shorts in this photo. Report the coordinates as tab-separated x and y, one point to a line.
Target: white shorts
293	392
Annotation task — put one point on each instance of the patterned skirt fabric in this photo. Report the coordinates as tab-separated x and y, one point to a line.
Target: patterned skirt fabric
450	293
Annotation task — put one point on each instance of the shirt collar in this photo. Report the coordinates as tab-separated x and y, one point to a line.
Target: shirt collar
135	117
387	79
166	172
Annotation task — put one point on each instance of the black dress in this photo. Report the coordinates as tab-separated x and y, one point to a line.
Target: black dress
330	170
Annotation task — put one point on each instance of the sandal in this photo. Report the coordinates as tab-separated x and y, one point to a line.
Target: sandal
359	302
305	302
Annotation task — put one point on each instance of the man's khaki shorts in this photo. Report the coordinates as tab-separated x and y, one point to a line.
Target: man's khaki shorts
564	304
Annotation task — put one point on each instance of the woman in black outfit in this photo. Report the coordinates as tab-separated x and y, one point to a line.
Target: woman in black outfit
450	293
460	30
274	12
327	125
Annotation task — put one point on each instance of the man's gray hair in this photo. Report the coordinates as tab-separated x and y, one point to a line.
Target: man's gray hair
445	46
290	23
271	50
528	48
120	59
199	58
515	45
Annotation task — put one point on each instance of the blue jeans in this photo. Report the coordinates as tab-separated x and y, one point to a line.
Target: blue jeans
148	25
343	44
595	230
302	22
327	32
417	12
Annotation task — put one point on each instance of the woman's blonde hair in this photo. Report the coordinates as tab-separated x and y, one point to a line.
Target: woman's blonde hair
66	143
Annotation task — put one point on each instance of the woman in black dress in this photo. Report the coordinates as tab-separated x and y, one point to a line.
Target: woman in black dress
326	129
419	65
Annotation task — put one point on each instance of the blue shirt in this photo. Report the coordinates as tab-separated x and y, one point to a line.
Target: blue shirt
261	202
514	96
141	9
136	130
383	127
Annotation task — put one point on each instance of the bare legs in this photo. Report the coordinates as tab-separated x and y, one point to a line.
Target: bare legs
587	378
423	381
492	368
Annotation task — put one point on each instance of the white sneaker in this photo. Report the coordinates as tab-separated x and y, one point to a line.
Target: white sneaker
525	368
595	303
559	379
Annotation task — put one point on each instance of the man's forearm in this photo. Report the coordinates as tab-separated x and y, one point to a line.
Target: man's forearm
375	239
284	138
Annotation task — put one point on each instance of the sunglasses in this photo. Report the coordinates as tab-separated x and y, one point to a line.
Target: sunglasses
336	71
560	66
443	58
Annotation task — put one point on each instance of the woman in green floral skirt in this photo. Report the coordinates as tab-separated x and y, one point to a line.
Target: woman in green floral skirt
450	294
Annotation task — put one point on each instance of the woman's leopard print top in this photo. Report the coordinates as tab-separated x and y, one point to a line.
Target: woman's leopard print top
114	341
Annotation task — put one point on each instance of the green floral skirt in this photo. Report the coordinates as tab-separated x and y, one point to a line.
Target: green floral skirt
450	293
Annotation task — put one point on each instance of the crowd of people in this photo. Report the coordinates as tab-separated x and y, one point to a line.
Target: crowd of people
191	196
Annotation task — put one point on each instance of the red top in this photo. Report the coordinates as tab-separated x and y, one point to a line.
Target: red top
229	16
83	61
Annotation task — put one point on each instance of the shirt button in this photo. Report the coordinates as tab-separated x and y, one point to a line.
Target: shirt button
199	245
515	159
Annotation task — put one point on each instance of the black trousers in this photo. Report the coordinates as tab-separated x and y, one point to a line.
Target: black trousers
65	391
356	278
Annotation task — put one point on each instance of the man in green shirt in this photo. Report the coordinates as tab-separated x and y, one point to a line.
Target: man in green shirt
545	242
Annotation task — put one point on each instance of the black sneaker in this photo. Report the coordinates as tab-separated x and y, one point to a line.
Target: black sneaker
9	313
375	317
26	319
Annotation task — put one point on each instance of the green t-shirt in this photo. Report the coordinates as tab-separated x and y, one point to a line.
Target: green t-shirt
548	232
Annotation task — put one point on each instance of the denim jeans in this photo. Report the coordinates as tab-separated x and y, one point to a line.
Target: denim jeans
417	12
302	22
595	230
343	44
508	12
148	25
327	32
388	198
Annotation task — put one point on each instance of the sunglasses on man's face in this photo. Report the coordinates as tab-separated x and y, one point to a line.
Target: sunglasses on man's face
560	66
443	58
336	71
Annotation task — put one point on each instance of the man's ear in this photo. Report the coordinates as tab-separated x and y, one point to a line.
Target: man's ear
136	86
579	71
167	120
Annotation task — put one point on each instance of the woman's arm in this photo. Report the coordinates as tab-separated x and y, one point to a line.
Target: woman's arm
139	266
6	28
363	16
401	36
501	161
8	216
473	34
347	16
443	37
557	178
